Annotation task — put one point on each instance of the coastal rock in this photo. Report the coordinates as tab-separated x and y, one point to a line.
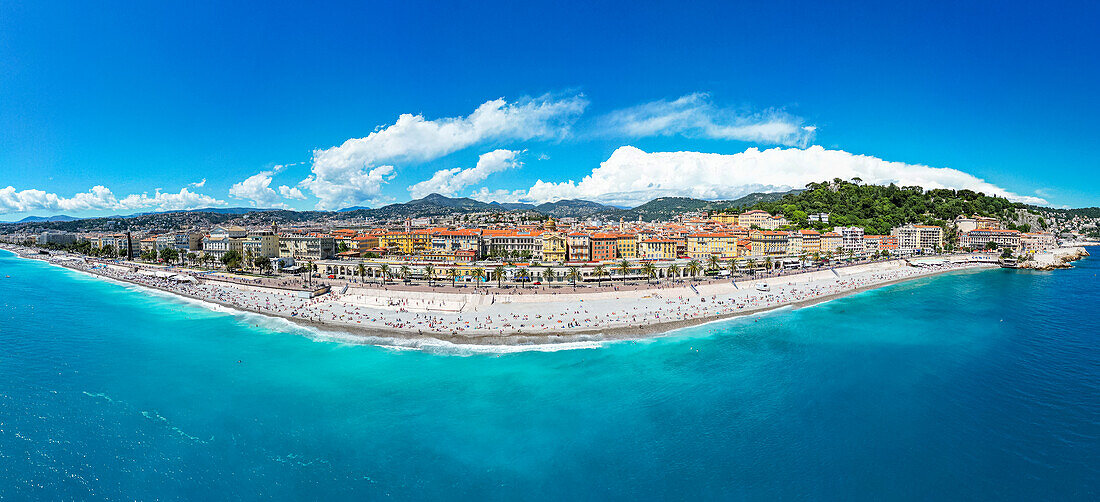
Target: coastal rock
1054	259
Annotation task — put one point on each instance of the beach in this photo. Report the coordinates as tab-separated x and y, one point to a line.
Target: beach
486	317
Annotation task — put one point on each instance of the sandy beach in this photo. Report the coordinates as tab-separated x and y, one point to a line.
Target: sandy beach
491	318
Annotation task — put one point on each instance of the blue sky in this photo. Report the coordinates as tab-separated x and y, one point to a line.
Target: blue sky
116	108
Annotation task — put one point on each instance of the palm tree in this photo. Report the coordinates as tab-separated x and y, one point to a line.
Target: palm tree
453	274
478	274
385	269
752	266
191	258
768	263
672	271
574	274
817	257
693	268
362	269
649	270
548	274
522	272
405	273
248	256
498	272
624	268
713	263
599	271
428	270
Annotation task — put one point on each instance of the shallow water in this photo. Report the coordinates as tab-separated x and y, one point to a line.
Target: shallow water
966	385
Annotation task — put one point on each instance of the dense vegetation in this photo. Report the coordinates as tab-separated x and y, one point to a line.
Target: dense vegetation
879	208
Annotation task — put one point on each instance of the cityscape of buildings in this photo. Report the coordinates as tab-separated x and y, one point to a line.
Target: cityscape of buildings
545	249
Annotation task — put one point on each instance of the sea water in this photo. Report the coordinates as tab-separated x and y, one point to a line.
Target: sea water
969	385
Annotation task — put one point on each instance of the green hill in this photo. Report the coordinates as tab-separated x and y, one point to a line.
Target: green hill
879	208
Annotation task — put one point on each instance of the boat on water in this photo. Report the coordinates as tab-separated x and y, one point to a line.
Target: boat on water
763	286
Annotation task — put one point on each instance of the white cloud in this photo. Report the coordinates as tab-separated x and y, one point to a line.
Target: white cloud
450	181
100	198
694	116
256	189
291	192
348	187
170	201
198	184
631	176
341	175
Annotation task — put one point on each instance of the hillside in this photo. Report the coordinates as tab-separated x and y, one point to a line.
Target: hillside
877	209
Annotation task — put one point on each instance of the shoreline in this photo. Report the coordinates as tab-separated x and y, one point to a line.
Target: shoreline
554	335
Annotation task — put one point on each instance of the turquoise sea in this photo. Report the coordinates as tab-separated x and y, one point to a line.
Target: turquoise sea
972	385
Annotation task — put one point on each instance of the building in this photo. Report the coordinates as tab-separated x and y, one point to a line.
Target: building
626	246
702	246
657	249
180	241
851	240
554	246
603	247
876	244
1034	242
518	243
449	241
55	238
760	219
148	244
725	218
980	239
307	247
819	218
407	243
831	243
811	241
919	239
578	246
768	242
261	244
966	224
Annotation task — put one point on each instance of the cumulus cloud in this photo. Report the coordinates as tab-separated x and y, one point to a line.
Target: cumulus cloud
631	176
291	192
100	198
352	172
198	184
450	181
170	201
256	189
694	116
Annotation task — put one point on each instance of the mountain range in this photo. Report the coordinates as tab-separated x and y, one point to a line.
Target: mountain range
432	205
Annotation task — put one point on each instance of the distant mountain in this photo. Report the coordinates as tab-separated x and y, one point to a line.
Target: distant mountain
43	219
513	206
214	210
575	208
666	207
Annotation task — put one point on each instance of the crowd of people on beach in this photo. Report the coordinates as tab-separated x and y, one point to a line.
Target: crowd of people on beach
496	315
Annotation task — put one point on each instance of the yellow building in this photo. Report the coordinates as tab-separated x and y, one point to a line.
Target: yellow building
553	246
811	241
768	243
407	243
627	245
701	246
657	249
725	218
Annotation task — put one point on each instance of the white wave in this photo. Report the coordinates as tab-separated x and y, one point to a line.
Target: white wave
99	395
